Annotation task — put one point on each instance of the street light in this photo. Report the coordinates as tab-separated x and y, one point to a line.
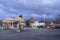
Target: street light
44	15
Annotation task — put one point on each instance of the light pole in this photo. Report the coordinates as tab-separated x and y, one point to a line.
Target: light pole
44	15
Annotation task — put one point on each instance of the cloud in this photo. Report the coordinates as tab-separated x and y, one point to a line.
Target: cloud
29	8
47	2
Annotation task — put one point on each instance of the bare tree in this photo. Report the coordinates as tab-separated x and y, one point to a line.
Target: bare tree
58	17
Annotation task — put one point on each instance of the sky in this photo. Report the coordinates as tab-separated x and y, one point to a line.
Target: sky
28	8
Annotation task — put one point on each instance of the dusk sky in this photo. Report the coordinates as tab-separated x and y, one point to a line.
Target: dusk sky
28	8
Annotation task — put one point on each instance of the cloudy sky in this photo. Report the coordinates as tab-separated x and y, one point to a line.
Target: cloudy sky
28	8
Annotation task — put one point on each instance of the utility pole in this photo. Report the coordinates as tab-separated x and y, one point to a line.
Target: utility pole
44	15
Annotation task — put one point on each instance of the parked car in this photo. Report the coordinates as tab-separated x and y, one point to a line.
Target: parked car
57	26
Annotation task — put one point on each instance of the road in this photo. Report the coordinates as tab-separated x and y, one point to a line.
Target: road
31	34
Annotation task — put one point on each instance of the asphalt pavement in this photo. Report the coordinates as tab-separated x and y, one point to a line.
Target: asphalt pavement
31	34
